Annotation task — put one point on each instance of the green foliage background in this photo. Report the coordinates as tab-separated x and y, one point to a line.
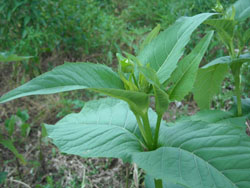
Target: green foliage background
80	27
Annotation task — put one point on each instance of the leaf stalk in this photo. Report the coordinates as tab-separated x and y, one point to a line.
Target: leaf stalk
238	91
148	130
157	129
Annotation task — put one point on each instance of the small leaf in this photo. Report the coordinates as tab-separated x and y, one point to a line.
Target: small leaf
23	115
125	65
242	10
8	57
208	83
138	101
161	97
183	77
227	60
166	49
150	37
10	124
25	129
149	74
9	145
209	116
3	176
161	100
44	131
246	35
223	24
224	27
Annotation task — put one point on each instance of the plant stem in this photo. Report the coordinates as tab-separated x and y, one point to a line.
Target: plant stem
148	131
236	73
157	129
238	91
231	50
144	135
158	183
135	81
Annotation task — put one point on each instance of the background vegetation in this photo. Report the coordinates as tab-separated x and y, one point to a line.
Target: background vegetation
55	31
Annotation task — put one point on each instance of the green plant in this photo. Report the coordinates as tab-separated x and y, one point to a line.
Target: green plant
7	137
231	31
40	27
68	105
9	57
3	176
203	147
19	119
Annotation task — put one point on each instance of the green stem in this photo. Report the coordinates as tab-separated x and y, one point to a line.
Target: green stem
231	50
158	183
148	130
238	91
135	81
157	129
141	129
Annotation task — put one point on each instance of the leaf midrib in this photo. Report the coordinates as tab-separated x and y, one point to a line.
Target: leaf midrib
171	52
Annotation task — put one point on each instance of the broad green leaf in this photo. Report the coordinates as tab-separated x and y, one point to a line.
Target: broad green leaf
202	155
236	121
242	8
227	60
8	57
9	145
67	77
183	77
209	116
166	49
150	37
73	76
104	128
214	153
208	83
224	27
